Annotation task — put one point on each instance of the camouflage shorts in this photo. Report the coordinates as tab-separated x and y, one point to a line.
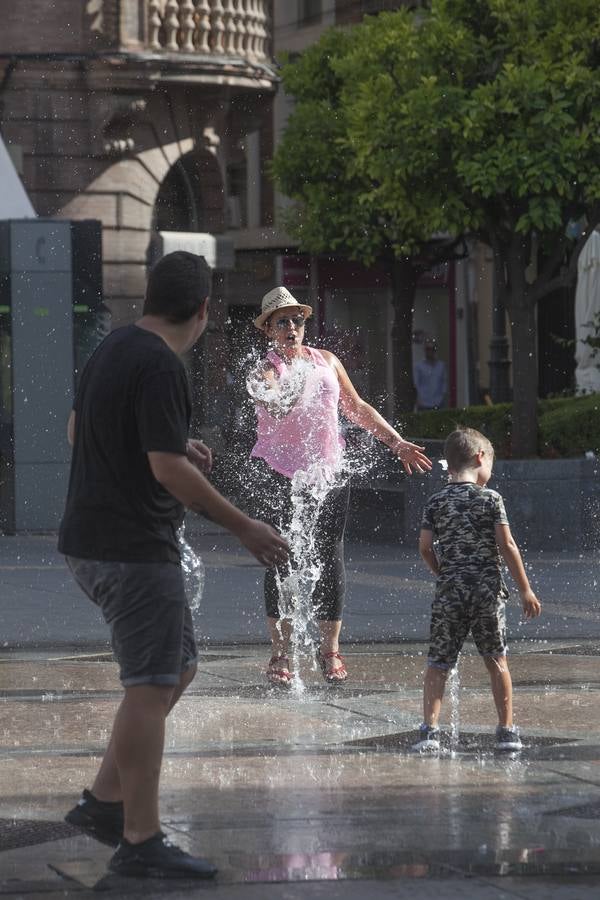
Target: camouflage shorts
460	609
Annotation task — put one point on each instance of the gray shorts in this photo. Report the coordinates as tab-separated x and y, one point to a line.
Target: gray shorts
146	608
461	609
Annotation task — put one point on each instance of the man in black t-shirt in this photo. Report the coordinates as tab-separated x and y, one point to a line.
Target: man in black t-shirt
133	471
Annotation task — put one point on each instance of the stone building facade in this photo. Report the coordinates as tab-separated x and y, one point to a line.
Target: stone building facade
136	112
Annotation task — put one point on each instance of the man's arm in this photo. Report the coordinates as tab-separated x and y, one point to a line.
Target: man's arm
443	382
418	380
426	550
510	553
71	428
183	480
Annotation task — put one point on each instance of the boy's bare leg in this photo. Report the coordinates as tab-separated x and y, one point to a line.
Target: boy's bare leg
433	693
280	631
501	688
107	784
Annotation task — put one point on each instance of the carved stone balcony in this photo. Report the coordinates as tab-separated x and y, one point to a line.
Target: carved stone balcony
209	28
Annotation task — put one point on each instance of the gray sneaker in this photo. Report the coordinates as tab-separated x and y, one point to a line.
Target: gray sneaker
429	740
508	738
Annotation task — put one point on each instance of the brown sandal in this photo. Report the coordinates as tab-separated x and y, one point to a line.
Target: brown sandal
332	676
278	671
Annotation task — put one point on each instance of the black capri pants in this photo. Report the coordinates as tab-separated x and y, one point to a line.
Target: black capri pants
272	502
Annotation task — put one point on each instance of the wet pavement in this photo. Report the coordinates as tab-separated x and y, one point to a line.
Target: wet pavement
319	786
313	793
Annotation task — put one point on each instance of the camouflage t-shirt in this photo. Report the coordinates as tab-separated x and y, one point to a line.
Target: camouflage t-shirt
463	517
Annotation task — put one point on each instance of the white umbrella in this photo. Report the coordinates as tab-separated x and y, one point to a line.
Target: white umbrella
587	308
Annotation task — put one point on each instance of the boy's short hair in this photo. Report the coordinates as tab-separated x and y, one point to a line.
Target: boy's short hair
461	446
177	286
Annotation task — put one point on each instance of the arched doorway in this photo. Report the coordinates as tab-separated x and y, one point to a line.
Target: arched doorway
178	205
191	197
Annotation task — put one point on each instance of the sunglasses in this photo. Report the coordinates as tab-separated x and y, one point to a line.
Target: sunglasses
286	321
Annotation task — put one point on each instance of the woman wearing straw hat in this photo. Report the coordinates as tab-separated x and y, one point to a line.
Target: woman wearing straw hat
298	391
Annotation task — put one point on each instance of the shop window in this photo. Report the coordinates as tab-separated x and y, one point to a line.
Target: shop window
310	12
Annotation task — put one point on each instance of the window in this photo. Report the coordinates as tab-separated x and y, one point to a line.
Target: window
310	12
372	7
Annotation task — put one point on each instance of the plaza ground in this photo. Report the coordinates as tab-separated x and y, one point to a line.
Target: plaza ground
311	793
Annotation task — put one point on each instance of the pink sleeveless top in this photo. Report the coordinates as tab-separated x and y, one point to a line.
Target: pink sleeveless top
309	433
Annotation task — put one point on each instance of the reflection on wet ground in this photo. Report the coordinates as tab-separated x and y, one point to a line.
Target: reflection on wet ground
321	788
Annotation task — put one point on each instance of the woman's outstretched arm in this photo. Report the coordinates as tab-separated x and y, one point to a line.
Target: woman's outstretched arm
365	416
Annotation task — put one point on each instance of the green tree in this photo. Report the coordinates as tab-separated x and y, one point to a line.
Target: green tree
480	118
339	209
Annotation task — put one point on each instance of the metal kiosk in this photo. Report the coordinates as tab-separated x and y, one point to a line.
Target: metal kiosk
36	371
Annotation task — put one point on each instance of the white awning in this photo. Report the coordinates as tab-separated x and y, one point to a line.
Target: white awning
14	202
217	250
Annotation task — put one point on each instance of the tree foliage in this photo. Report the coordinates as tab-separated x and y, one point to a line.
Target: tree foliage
478	117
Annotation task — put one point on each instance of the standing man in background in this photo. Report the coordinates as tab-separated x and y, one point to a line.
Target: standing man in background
431	381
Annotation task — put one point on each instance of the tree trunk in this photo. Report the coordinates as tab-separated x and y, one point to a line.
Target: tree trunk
525	371
499	363
404	275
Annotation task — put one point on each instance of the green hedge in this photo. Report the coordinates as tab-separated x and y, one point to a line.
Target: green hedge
567	426
571	428
493	421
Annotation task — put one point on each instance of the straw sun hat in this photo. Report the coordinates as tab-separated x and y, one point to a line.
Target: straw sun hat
278	298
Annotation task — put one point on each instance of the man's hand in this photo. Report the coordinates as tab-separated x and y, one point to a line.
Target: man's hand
199	454
531	605
269	548
183	480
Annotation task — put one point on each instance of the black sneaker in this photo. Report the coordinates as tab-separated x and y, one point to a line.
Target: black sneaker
508	739
98	818
158	858
429	740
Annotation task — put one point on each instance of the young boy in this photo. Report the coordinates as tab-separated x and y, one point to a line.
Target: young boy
469	522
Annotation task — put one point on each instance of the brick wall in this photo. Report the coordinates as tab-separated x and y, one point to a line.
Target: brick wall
60	26
62	116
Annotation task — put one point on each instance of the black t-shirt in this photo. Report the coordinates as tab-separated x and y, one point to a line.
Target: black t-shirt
133	397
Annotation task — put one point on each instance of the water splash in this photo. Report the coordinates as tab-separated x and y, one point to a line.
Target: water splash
280	396
310	489
454	695
299	383
193	571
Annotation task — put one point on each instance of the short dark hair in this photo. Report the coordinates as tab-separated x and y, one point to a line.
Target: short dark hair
177	286
462	445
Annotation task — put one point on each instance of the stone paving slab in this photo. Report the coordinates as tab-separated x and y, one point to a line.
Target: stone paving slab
313	793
